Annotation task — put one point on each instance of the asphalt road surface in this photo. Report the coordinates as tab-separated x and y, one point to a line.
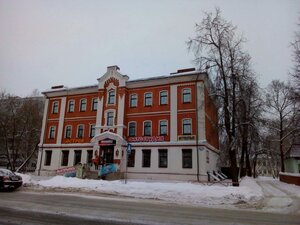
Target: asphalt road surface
24	208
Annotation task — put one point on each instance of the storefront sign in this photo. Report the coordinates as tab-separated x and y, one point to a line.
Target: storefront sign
69	141
107	169
146	139
107	142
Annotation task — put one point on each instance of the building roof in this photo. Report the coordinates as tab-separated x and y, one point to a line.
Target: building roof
185	74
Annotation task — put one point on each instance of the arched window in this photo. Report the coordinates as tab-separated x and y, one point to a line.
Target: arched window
111	97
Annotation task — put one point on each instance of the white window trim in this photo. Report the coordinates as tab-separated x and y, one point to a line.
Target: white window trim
71	100
53	103
93	104
80	104
136	100
82	131
190	95
129	128
167	97
167	127
145	98
115	98
183	127
50	132
66	131
144	127
106	114
91	129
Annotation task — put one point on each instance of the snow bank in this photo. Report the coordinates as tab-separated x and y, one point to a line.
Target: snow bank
27	179
180	192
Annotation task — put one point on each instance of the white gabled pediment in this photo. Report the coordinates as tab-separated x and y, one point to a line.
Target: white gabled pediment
112	73
109	135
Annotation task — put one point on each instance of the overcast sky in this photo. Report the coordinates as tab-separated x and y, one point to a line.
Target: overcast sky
71	42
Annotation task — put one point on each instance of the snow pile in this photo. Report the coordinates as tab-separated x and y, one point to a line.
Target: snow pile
27	179
176	192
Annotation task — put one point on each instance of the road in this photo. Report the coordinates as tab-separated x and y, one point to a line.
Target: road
24	208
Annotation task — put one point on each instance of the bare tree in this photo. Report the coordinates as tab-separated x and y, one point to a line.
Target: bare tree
219	51
20	124
296	60
282	114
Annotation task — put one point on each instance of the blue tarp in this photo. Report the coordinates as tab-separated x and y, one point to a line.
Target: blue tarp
108	168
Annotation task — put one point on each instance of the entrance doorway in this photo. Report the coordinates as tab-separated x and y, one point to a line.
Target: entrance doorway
107	154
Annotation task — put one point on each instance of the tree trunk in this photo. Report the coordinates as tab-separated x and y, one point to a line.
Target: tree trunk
281	144
234	171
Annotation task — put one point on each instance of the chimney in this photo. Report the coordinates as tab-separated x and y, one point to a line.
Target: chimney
111	68
184	70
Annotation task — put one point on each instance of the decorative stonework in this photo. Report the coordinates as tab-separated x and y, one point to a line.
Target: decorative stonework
101	94
111	80
122	92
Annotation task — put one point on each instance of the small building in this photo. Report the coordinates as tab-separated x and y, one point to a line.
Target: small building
169	121
292	159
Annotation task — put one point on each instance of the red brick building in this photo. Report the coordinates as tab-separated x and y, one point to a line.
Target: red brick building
170	122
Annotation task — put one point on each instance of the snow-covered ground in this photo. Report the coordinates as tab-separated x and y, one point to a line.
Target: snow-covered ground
252	193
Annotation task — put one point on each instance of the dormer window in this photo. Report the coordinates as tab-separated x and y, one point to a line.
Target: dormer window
111	97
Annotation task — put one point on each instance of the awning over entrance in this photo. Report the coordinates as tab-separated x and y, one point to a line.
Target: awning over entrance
109	135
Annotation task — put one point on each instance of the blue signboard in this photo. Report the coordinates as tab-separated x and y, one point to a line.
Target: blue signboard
108	168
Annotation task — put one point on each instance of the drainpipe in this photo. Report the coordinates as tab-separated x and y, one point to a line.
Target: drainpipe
197	132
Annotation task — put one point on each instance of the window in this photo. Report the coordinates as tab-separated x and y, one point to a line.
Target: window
186	95
187	158
82	105
163	98
148	99
68	131
48	157
110	119
147	128
80	131
146	158
111	97
55	107
133	100
71	106
94	104
77	157
89	156
65	158
163	127
187	126
131	159
92	130
52	132
132	129
162	158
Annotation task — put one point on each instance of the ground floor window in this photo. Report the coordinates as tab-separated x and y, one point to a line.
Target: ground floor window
65	158
48	157
131	158
163	158
77	157
146	158
187	161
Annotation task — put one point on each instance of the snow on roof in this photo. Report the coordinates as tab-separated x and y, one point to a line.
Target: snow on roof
60	88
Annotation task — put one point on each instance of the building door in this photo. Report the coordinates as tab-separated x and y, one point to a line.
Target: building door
107	154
